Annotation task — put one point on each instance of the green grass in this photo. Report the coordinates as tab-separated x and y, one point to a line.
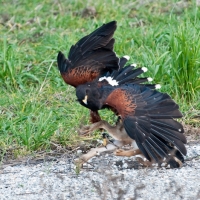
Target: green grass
37	108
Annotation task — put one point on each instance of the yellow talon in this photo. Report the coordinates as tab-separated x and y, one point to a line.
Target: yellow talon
105	139
105	142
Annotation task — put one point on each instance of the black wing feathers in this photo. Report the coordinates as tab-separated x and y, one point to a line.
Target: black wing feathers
100	38
122	62
128	75
63	63
151	124
96	47
130	127
104	56
95	40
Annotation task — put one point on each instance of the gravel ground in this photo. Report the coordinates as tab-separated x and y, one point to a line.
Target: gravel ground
105	177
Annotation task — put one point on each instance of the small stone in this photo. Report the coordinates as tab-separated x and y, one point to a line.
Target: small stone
125	165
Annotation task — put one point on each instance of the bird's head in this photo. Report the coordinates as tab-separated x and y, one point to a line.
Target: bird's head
89	96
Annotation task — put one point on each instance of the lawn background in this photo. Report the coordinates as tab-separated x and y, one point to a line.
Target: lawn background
38	111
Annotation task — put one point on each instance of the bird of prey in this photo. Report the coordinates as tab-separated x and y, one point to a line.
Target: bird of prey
146	116
92	57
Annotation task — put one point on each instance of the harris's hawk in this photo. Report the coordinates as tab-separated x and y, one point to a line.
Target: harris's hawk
92	58
148	116
102	81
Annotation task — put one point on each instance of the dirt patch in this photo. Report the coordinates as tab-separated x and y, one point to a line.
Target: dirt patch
192	133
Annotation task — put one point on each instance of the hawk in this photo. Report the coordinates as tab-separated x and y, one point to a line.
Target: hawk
146	117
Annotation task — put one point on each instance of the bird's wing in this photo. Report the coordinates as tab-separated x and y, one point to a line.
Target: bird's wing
90	57
148	119
126	75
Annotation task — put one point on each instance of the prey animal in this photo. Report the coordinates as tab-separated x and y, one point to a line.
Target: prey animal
120	138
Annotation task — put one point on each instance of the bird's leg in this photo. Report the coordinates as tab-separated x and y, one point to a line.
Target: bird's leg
94	116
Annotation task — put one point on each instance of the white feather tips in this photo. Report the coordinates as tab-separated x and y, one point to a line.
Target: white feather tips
127	57
149	79
144	69
134	65
110	80
157	86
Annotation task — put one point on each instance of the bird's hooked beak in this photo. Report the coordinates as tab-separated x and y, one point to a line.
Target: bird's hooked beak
85	99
